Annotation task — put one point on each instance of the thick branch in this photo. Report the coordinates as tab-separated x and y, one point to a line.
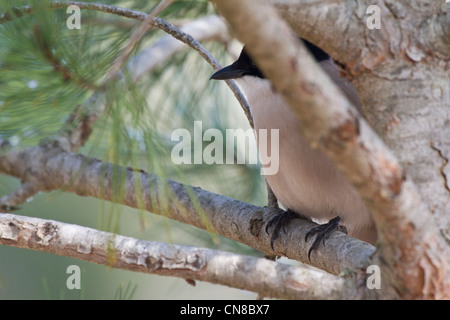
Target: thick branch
263	276
325	23
54	169
340	28
330	123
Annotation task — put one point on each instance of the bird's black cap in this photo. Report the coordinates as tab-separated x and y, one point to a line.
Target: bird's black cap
244	65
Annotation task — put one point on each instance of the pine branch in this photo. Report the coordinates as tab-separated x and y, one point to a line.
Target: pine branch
76	128
177	34
58	65
79	124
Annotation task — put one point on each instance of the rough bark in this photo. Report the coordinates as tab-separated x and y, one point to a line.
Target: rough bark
262	276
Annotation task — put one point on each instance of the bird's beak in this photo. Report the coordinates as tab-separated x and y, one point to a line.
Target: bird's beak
230	72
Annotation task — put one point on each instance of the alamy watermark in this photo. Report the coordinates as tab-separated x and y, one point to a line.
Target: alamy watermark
74	20
209	146
374	19
74	280
374	279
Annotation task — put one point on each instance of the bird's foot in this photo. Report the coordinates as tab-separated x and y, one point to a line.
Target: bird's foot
280	221
323	232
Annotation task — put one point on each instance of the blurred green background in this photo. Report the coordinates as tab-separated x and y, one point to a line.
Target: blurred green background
35	99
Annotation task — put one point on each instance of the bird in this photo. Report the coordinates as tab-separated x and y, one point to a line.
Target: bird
307	184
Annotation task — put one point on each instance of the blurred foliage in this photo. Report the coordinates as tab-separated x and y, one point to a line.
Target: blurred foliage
46	70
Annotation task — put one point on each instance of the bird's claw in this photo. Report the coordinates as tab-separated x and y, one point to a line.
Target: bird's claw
323	232
280	221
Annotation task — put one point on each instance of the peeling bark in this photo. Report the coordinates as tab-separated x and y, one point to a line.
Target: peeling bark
263	276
